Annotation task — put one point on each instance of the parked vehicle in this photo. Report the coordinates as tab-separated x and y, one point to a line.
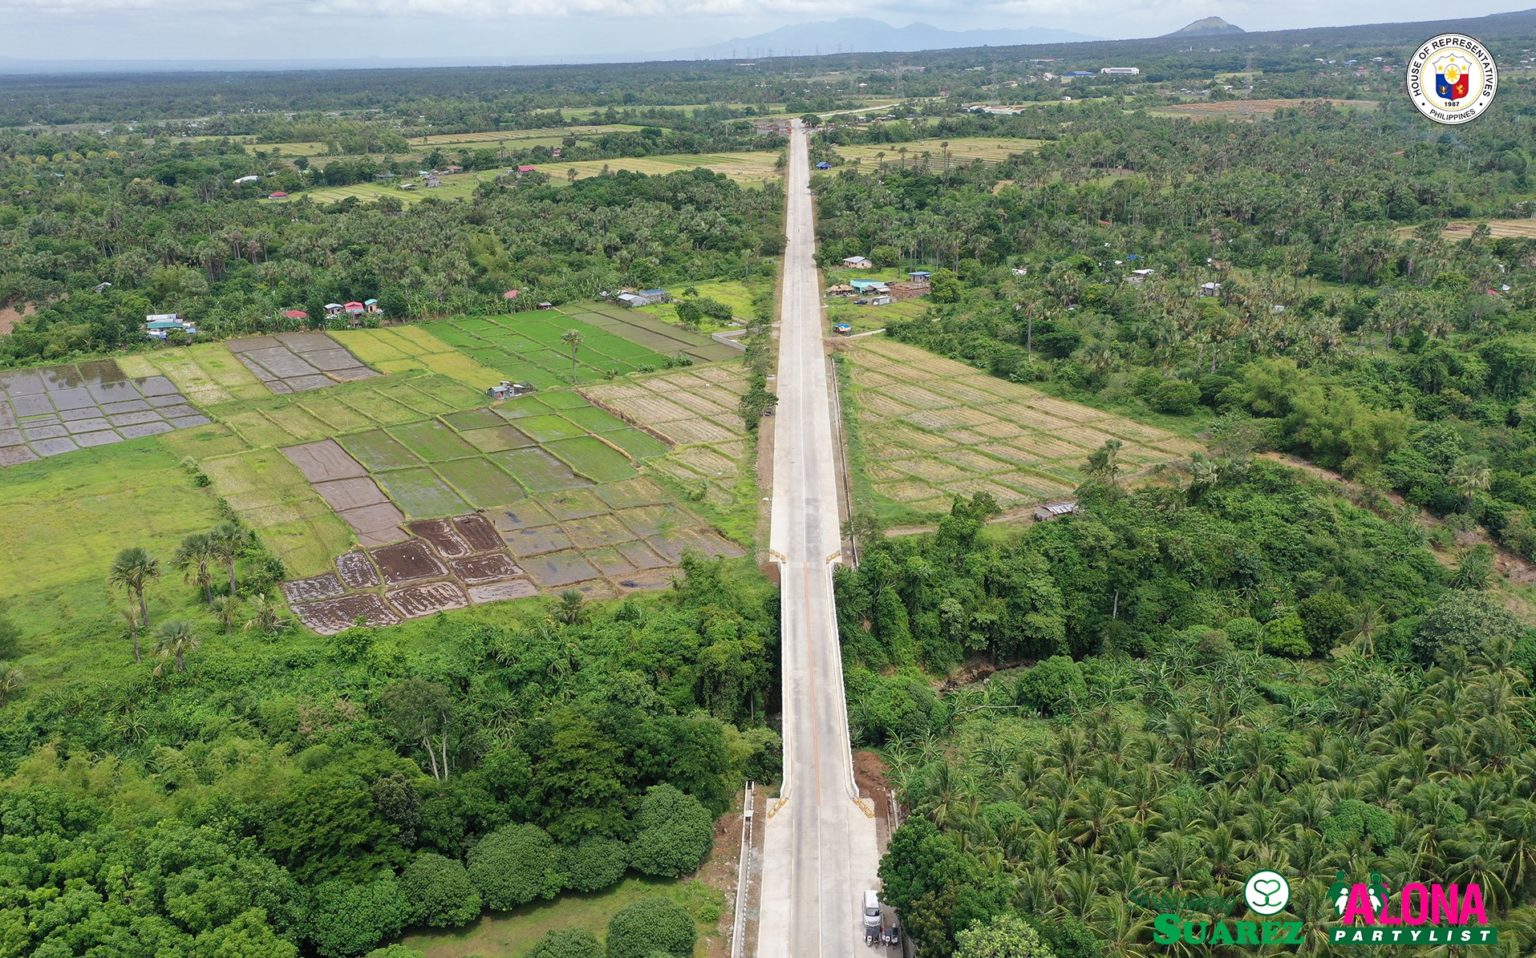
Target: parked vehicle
872	917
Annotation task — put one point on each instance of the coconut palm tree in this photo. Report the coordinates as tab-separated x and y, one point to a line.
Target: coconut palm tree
572	340
193	557
228	542
133	570
131	616
172	643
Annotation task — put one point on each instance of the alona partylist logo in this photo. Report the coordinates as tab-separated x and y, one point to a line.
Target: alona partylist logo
1452	78
1417	914
1266	893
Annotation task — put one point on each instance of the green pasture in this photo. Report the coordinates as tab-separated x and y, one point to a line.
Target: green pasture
68	516
962	149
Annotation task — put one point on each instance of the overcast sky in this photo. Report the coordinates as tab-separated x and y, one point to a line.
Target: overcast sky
353	29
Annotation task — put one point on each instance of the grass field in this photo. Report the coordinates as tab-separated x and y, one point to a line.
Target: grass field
866	318
733	293
513	934
930	428
450	142
1248	109
962	149
752	169
74	513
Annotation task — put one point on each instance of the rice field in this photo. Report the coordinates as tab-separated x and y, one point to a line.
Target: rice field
449	142
208	374
962	149
410	348
1523	228
528	347
695	411
931	428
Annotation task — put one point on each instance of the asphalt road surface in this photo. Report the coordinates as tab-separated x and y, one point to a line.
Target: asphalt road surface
819	848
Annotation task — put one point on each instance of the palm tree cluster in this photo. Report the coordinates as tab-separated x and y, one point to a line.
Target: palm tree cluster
201	557
1185	774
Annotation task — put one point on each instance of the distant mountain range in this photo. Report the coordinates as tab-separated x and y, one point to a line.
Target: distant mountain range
1207	27
863	35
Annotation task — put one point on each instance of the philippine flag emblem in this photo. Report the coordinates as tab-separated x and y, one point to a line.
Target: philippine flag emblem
1452	78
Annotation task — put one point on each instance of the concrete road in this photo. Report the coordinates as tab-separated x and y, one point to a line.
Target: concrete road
819	847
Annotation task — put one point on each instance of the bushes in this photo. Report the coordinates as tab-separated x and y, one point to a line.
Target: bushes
1052	686
440	892
595	864
675	833
651	926
1287	636
515	865
567	943
1463	621
346	919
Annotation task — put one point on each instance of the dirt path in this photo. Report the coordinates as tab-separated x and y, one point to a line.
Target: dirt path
11	316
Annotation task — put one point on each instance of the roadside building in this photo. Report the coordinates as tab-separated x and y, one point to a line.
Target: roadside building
858	262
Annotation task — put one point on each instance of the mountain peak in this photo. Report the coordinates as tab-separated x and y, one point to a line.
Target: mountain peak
1207	27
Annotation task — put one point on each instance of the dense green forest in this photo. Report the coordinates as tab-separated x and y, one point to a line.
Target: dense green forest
290	794
167	229
1236	673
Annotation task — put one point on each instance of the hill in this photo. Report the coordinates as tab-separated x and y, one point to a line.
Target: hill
1207	27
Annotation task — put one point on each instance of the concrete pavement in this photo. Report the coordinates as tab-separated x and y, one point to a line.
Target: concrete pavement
820	849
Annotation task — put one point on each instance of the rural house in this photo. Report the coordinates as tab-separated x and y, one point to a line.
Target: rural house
858	262
161	325
1054	510
1139	276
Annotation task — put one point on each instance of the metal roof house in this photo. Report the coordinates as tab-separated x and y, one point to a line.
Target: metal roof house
644	297
161	325
858	262
1055	510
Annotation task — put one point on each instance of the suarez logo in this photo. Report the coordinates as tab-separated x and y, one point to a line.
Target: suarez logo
1453	78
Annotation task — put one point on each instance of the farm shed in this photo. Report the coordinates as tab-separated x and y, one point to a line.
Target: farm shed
1054	510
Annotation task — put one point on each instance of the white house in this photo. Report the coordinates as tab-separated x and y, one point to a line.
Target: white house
1139	276
858	262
